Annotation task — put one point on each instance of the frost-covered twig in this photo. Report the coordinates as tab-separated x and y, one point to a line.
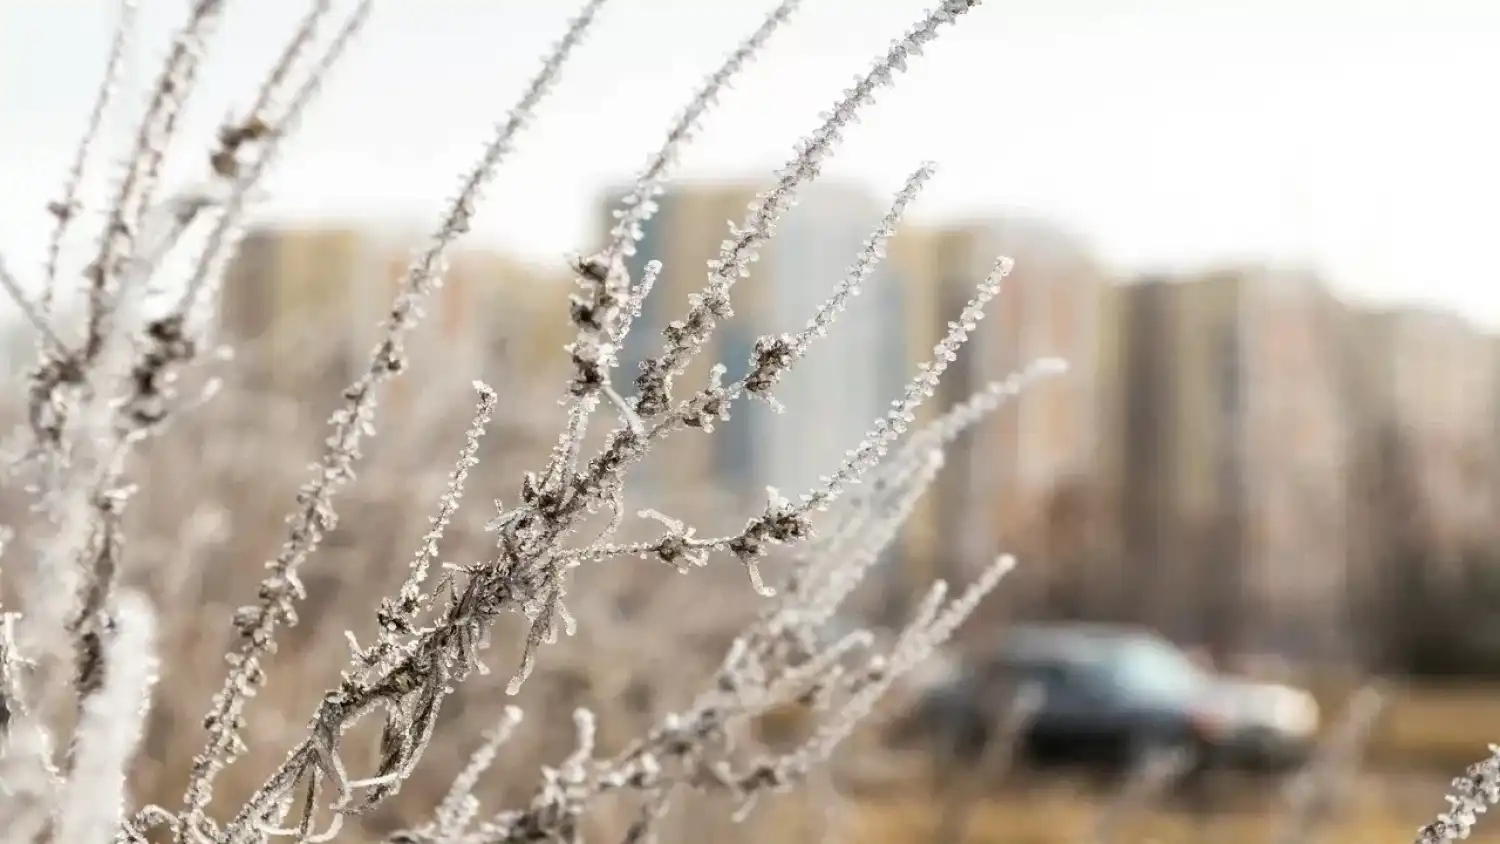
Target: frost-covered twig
282	588
1313	789
92	804
1469	796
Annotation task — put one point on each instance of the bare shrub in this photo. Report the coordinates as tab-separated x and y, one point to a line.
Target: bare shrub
130	453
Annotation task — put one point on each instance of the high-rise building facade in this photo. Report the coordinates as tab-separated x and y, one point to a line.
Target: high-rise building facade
1298	459
1430	381
1228	456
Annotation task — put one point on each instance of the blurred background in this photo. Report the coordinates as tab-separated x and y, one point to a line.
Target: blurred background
1259	234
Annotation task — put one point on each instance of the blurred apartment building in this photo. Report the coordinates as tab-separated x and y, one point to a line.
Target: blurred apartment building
998	483
845	383
303	307
1227	460
1427	387
1011	484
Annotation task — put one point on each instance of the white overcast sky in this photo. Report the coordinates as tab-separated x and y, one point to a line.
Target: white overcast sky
1358	135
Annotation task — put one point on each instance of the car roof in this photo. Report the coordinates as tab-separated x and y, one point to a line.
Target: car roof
1066	642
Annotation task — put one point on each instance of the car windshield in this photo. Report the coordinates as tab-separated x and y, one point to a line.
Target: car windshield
1157	670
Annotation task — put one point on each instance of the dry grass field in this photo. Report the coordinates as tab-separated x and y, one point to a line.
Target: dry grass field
1068	819
1439	727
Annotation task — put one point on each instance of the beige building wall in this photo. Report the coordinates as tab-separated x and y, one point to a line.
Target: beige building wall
305	306
1167	390
1299	456
287	290
1437	377
1232	494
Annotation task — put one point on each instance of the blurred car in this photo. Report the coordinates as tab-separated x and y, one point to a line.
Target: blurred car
1110	696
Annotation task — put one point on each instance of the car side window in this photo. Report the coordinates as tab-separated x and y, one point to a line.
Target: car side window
1064	686
1156	672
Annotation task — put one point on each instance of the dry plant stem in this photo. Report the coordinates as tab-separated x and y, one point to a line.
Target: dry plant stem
825	573
78	560
606	306
773	356
678	752
259	116
964	415
597	310
91	405
603	287
643	829
245	150
746	685
783	520
282	588
742	687
142	408
907	470
96	514
166	345
66	209
887	430
251	138
1469	796
84	453
685	338
397	616
84	376
459	807
963	796
35	314
821	580
137	190
248	149
26	768
239	141
530	537
1144	786
1312	793
934	623
111	726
